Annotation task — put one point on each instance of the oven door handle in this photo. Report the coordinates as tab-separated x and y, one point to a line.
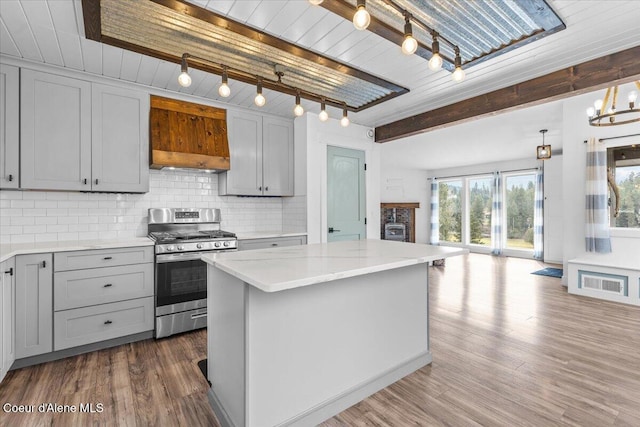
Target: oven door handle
188	256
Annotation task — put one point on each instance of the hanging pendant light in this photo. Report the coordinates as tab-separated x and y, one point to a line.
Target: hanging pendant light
184	79
259	100
345	119
435	63
224	90
315	2
409	44
323	116
543	152
298	110
458	73
361	19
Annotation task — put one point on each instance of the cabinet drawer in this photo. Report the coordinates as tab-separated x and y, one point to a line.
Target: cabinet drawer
79	288
64	261
245	245
102	322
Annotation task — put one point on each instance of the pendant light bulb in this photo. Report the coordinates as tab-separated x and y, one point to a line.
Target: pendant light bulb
633	95
298	110
345	120
259	100
458	73
435	63
224	90
315	2
591	111
323	116
409	44
184	79
361	19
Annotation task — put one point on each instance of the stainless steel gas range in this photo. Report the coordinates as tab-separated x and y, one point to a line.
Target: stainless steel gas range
182	236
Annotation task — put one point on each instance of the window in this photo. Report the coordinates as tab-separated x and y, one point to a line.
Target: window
519	195
480	199
624	166
450	211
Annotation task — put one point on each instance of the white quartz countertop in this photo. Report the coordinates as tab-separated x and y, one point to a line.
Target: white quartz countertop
278	269
623	260
9	250
268	234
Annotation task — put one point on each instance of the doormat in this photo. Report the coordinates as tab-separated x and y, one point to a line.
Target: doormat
551	272
203	368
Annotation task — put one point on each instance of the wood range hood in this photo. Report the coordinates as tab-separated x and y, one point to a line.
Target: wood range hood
185	135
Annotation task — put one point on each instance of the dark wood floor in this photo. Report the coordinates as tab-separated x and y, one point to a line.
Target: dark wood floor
509	349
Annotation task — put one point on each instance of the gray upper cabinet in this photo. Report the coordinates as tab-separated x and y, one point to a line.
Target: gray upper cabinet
277	157
120	140
55	127
9	126
261	150
34	305
80	136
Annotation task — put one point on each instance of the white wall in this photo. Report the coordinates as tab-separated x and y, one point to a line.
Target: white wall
575	131
316	136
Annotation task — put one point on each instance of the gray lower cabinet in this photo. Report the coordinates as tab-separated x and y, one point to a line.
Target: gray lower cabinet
34	305
102	322
273	242
102	294
7	302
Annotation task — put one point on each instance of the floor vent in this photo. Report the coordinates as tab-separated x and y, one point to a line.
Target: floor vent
614	285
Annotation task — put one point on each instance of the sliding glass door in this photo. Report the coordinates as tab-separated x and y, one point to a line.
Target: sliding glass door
519	195
450	211
480	199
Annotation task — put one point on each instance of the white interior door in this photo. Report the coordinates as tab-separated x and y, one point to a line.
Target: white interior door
345	194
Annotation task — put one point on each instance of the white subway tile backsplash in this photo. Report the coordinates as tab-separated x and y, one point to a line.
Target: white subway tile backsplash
71	216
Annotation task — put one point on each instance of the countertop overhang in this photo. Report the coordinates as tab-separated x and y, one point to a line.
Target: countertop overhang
279	269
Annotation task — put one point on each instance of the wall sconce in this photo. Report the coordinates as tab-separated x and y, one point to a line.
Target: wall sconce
543	152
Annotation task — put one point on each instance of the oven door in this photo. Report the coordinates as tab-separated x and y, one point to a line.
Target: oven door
181	282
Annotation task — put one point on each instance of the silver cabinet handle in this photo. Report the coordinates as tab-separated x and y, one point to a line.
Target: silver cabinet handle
96	181
84	181
108	322
107	258
108	285
10	177
44	264
332	230
9	271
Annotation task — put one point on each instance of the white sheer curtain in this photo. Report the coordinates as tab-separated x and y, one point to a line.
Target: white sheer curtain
597	225
538	216
496	215
435	213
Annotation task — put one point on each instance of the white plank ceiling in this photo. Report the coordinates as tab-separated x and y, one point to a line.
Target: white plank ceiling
52	31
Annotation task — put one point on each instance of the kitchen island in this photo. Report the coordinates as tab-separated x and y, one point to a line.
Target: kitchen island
298	334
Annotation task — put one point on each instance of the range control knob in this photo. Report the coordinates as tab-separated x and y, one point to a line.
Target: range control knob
199	246
170	248
216	244
226	243
180	247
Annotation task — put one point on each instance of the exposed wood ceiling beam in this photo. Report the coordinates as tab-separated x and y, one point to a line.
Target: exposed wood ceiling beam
620	67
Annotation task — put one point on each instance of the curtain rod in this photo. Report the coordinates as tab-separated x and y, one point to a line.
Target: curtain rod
616	137
483	173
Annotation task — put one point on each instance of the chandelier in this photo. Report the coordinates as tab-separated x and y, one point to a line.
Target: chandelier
605	113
